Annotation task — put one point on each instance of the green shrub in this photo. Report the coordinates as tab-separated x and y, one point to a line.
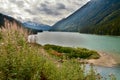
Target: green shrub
74	52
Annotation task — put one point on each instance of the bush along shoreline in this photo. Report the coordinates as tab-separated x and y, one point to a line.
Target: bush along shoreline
70	52
20	60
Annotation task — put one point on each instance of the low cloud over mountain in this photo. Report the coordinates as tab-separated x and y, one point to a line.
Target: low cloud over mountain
42	11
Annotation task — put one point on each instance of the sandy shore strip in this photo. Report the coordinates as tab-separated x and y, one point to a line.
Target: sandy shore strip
105	60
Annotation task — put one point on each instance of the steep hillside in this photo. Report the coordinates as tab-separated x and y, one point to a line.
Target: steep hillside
97	16
5	17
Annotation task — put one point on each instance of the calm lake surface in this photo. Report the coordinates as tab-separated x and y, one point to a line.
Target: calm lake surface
107	44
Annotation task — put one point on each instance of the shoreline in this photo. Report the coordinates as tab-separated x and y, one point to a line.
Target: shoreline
106	60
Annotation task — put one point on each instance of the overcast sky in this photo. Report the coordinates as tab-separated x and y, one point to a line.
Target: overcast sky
41	11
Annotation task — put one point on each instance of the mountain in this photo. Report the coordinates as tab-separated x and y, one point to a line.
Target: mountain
31	26
96	17
36	26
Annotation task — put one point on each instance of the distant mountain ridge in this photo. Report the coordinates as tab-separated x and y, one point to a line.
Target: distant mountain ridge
97	16
31	26
36	26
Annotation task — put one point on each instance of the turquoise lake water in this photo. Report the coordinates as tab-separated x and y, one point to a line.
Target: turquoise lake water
108	44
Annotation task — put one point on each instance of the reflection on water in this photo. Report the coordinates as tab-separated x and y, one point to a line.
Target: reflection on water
106	71
108	44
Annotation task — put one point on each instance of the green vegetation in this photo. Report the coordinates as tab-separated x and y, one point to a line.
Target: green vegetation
22	61
0	36
73	52
110	25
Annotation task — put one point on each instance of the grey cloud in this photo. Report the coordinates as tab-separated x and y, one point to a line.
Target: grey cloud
49	9
12	0
43	5
32	12
20	4
8	13
61	6
19	18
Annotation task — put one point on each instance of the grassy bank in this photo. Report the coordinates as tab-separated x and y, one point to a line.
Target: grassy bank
70	52
20	60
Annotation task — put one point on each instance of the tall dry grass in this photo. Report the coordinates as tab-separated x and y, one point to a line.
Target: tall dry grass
13	30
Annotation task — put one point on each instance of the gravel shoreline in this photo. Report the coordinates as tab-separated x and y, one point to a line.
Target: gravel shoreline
105	60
